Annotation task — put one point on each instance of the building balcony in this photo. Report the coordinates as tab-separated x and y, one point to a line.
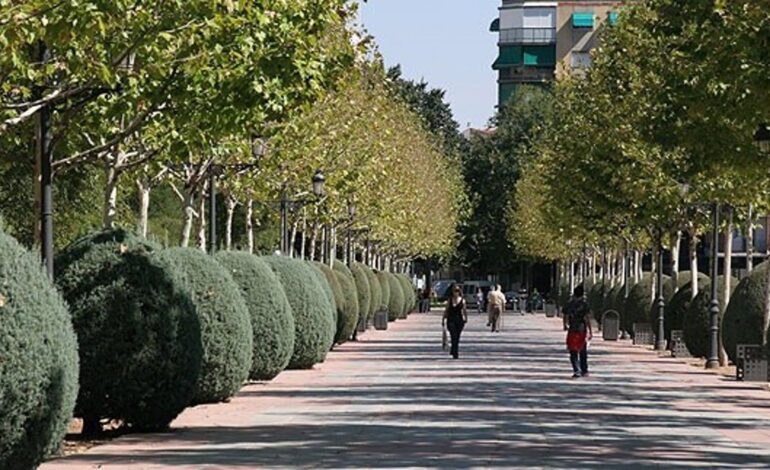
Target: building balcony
528	36
526	74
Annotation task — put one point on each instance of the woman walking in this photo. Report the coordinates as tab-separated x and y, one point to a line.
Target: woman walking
455	318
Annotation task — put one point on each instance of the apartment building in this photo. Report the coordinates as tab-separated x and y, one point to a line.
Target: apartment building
542	40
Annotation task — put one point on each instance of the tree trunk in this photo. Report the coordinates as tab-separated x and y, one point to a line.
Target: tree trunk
728	267
313	240
110	208
675	257
750	241
637	266
202	221
250	224
230	205
333	256
187	220
654	282
303	242
143	187
293	238
694	262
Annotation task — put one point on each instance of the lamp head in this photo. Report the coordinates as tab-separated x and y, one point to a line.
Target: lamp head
319	182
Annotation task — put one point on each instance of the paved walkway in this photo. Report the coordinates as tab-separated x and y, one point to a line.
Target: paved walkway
395	400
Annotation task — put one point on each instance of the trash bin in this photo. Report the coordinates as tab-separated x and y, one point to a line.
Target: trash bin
611	325
381	320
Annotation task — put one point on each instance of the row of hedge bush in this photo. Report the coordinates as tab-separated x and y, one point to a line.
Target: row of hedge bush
742	320
151	331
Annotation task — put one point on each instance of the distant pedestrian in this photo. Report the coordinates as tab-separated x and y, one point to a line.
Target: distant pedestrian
480	300
495	307
577	323
426	297
455	318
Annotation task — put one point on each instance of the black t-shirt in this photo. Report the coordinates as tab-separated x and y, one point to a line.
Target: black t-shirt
576	312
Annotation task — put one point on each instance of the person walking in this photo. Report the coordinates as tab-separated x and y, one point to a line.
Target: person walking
577	323
480	300
496	305
455	318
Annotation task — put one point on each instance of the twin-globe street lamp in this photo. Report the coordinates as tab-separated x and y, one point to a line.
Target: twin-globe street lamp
762	142
318	182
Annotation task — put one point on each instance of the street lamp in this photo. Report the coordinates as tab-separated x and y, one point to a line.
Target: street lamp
351	217
319	182
762	138
712	362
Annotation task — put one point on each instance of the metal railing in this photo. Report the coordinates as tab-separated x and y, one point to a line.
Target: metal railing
528	36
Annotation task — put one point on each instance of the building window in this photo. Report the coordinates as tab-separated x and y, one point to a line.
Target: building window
580	60
583	20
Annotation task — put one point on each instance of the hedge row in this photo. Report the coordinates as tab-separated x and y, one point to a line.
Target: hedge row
742	320
151	331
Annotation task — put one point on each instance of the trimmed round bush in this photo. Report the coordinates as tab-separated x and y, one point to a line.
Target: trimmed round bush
315	318
348	286
668	294
272	323
636	307
680	302
563	294
330	286
38	361
224	321
697	318
684	278
382	278
396	298
138	334
744	318
363	289
409	295
346	302
375	287
347	328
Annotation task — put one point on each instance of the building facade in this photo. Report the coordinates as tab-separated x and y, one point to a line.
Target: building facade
540	40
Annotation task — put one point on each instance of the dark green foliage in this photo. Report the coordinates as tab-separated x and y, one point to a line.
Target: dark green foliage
595	298
38	361
684	278
697	318
347	328
138	333
680	302
491	167
396	299
744	319
224	320
410	298
668	293
348	286
636	307
314	316
375	287
330	288
272	322
610	301
382	278
409	293
346	300
362	287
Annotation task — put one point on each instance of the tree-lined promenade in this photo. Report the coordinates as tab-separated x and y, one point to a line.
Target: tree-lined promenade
222	192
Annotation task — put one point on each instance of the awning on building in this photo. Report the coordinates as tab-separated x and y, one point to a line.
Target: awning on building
495	26
583	20
509	56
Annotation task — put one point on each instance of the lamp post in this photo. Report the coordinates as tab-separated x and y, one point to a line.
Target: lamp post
661	302
712	361
349	242
318	184
258	150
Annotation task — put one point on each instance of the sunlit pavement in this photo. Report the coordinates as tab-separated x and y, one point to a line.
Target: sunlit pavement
395	399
